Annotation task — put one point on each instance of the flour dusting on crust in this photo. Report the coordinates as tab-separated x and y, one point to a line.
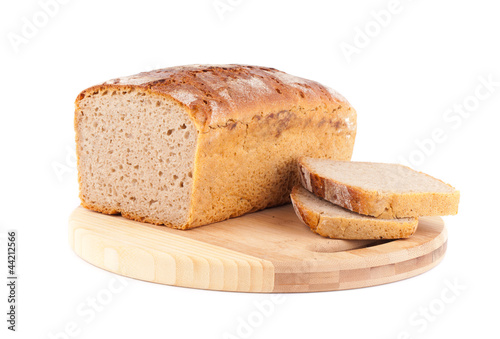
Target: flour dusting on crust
336	95
350	124
251	86
185	97
136	79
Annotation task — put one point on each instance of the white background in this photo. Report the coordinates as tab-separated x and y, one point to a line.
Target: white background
405	80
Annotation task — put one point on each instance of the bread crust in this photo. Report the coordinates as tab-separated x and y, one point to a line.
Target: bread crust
385	205
351	228
218	95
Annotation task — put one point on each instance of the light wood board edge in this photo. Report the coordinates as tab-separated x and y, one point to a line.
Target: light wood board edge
375	265
357	278
188	263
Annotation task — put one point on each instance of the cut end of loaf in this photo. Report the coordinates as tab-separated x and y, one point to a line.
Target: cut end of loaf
332	221
135	154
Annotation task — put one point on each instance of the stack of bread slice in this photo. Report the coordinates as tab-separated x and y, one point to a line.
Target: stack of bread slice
362	200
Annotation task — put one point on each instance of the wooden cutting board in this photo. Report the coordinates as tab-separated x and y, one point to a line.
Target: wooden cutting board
266	251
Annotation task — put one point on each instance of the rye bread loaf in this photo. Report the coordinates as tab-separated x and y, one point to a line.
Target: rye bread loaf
378	189
191	145
329	220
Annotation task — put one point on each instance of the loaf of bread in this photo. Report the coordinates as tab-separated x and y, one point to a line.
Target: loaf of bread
332	221
377	189
191	145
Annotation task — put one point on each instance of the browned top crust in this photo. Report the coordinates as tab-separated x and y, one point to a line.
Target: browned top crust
219	94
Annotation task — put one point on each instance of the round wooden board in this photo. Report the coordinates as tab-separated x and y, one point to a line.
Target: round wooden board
266	251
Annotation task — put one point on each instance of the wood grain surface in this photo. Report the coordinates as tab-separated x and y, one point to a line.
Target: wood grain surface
266	251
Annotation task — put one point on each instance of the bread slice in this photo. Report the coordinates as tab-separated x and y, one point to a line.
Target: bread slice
332	221
376	189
